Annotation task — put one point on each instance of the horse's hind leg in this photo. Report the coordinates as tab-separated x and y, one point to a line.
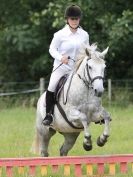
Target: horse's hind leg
70	139
44	140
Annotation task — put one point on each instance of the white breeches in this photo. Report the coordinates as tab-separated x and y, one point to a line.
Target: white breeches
55	77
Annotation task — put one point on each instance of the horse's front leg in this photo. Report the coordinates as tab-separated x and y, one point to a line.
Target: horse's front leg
87	143
102	139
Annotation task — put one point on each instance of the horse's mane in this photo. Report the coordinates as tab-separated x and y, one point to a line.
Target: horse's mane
91	51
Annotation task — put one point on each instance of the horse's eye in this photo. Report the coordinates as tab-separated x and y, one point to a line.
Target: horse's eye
90	67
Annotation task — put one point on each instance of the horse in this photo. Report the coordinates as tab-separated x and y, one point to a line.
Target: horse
81	103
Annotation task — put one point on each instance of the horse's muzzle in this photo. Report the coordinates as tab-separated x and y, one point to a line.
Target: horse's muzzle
98	93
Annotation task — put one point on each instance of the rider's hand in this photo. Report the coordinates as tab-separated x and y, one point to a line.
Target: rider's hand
64	59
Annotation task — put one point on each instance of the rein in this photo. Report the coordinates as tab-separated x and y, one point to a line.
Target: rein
69	58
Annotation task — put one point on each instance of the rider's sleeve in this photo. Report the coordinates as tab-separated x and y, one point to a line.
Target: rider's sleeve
54	46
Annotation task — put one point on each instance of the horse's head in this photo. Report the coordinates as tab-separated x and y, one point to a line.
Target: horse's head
94	68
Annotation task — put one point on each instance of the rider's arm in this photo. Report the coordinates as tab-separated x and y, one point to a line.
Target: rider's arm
54	46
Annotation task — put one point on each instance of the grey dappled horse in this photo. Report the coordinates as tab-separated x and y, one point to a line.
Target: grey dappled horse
83	90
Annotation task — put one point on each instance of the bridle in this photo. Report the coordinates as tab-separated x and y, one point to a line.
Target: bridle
89	81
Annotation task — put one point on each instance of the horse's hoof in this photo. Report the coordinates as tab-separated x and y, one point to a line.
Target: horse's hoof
87	147
101	143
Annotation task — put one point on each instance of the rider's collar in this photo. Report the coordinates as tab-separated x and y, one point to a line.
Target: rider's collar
69	32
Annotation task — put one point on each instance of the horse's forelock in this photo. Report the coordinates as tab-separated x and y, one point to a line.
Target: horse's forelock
99	60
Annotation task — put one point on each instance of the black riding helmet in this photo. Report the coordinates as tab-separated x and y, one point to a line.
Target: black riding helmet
73	11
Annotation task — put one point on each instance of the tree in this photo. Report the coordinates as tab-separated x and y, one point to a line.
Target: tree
27	27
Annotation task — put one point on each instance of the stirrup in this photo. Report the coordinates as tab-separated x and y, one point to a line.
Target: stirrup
48	119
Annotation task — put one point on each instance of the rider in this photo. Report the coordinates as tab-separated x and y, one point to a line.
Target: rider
64	48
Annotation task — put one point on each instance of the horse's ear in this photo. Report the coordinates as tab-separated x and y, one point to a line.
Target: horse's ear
104	52
94	46
87	52
90	49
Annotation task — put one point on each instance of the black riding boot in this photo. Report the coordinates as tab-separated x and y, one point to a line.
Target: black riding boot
49	108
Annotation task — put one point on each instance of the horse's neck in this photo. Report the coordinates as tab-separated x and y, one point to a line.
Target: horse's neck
78	90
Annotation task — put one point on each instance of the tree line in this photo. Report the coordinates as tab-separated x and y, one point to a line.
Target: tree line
27	28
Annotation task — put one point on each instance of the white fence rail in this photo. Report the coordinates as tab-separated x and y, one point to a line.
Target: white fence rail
20	92
41	88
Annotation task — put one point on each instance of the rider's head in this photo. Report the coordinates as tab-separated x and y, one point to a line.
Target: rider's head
73	12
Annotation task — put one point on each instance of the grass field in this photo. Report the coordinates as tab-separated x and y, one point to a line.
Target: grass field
17	134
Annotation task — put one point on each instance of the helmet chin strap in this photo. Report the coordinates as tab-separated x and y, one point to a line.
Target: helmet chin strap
72	27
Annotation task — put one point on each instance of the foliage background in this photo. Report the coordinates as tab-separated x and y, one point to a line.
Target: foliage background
27	27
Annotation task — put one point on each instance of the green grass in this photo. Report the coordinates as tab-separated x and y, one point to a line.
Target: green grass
17	134
17	131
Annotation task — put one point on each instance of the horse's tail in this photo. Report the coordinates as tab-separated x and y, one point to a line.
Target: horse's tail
36	144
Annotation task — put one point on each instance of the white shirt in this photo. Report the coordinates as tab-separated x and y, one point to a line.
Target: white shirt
67	42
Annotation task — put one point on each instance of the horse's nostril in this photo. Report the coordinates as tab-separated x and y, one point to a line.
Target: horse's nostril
95	91
98	93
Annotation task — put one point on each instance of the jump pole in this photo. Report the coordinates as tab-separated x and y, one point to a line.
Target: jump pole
125	162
